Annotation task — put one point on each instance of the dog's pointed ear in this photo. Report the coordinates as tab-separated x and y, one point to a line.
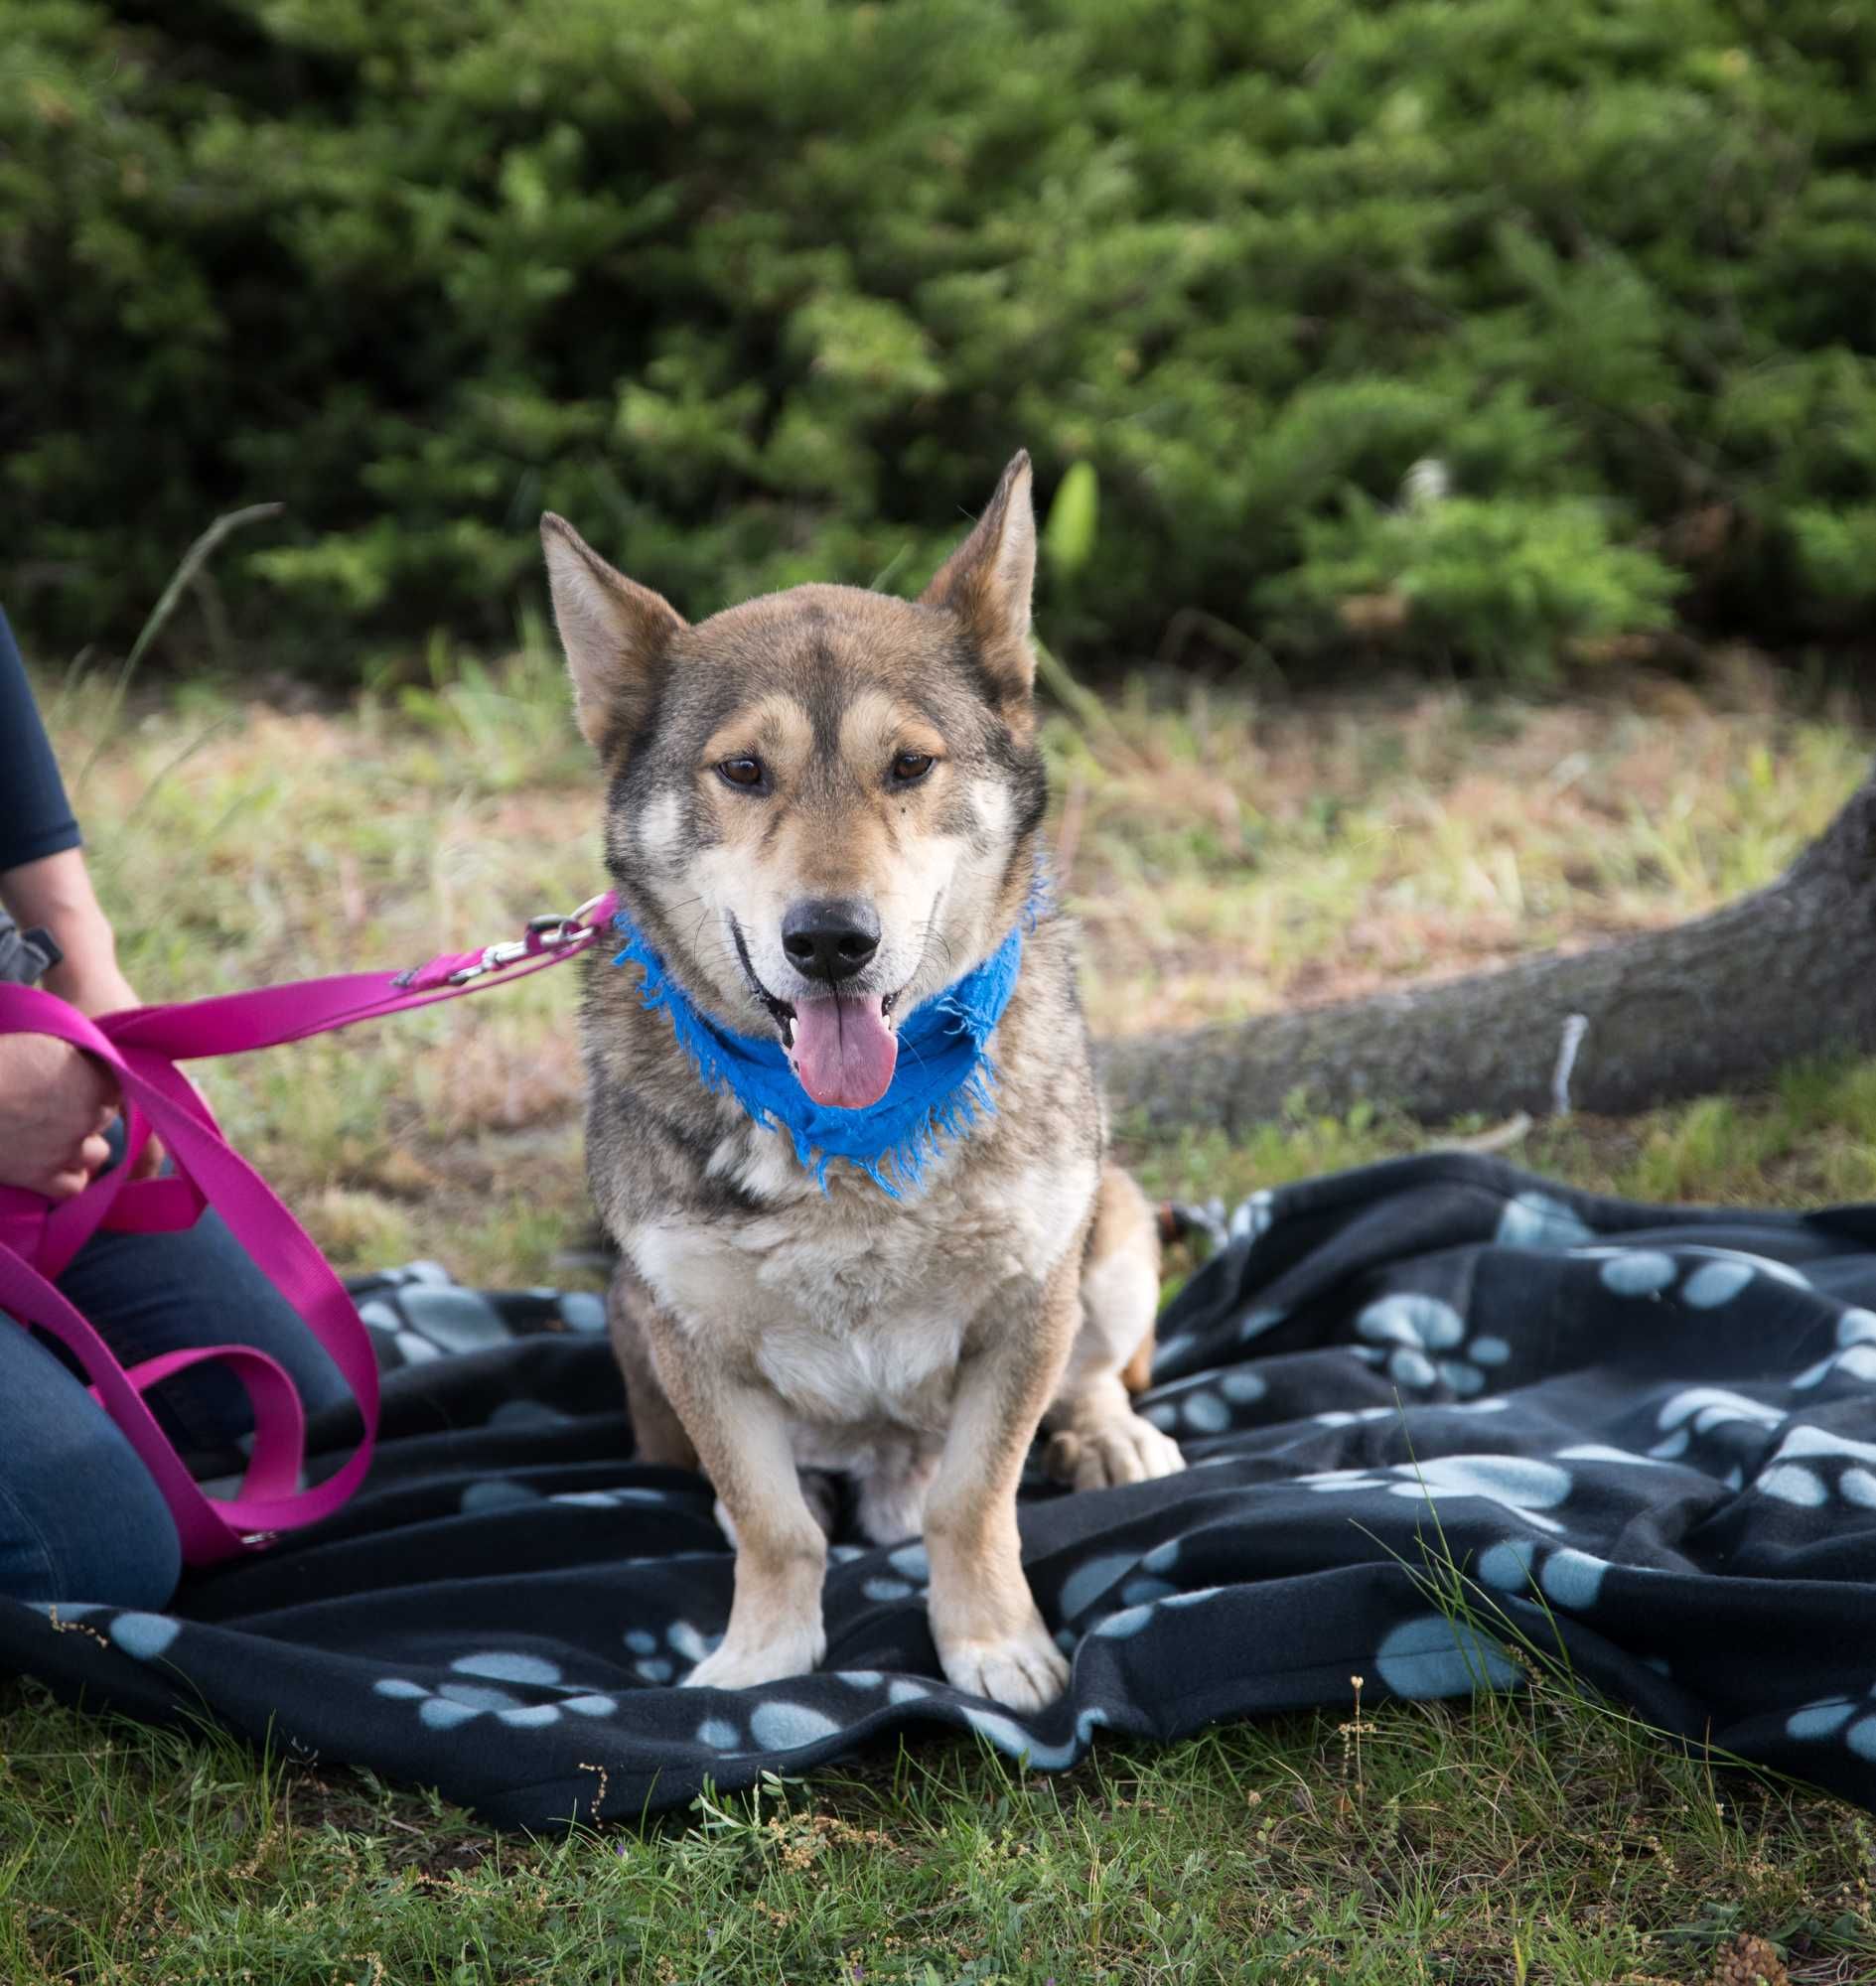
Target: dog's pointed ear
986	582
614	633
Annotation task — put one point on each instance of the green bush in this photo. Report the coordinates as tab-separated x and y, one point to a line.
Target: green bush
762	289
1497	581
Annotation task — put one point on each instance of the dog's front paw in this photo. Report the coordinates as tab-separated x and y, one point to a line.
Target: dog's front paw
1021	1671
1120	1448
792	1652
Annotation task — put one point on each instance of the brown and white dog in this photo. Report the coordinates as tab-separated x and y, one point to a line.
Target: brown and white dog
822	809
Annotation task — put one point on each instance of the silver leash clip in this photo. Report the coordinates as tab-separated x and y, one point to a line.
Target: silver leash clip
551	931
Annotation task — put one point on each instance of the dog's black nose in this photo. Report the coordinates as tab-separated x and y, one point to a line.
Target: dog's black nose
831	938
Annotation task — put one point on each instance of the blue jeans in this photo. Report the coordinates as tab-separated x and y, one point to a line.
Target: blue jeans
80	1517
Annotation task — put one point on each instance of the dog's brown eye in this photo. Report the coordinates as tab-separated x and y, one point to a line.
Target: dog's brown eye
742	771
912	766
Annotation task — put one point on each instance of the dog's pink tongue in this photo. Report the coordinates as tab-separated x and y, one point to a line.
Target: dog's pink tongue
843	1051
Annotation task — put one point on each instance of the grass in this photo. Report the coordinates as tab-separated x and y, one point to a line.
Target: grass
1808	1140
1369	1849
1227	855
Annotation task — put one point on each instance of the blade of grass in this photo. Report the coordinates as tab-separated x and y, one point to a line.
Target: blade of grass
193	561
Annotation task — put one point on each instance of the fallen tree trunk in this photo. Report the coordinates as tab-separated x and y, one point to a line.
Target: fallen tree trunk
1720	1003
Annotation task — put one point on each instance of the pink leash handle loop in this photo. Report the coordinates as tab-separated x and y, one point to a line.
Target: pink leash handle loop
209	1530
38	1239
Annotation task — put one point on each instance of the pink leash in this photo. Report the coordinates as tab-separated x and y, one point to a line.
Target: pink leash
39	1237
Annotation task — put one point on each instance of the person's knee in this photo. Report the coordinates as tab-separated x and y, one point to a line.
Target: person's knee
144	1560
104	1534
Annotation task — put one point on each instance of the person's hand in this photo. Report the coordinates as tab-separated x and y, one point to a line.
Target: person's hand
56	892
55	1104
103	989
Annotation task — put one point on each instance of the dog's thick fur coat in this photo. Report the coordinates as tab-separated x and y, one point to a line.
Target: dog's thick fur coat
852	753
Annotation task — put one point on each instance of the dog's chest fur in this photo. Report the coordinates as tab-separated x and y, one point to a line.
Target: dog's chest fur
854	1308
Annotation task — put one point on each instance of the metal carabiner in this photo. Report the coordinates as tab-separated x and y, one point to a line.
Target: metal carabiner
551	930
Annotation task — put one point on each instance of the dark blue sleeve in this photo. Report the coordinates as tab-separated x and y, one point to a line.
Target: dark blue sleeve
36	818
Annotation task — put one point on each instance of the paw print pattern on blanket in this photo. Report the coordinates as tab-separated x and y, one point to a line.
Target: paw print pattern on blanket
1413	1330
475	1691
1432	1655
782	1725
614	1499
1091	1588
1114	1596
1566	1577
909	1573
1535	1220
1515	1482
1699	1413
418	1314
146	1636
688	1647
497	1493
1714	1276
1855	1355
1795	1473
779	1725
1849	1718
1204	1405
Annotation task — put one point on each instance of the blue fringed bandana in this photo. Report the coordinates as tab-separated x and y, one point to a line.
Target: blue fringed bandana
941	1083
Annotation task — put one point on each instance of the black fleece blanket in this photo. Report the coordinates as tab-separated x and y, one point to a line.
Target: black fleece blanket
1646	1435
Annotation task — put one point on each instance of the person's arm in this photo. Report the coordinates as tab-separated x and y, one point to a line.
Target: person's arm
36	818
42	876
54	1102
56	891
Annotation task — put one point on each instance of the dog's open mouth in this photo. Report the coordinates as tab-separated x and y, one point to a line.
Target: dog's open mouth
841	1047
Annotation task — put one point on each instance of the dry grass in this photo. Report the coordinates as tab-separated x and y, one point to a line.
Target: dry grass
1226	856
1229	859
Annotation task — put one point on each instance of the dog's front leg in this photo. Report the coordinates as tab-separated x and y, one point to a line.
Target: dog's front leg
990	1637
741	1439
